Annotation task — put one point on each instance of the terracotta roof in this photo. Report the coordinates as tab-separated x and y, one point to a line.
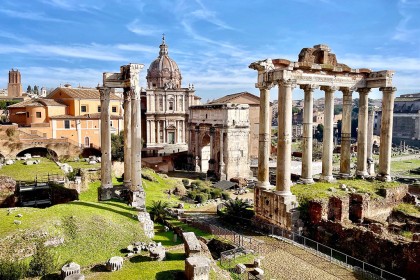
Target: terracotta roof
228	98
36	103
94	116
83	93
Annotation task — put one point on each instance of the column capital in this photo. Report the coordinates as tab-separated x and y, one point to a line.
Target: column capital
310	87
104	93
346	90
388	89
329	88
264	85
363	90
287	83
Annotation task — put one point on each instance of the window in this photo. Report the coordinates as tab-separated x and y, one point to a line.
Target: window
27	114
83	108
114	109
171	105
87	141
99	109
38	114
67	124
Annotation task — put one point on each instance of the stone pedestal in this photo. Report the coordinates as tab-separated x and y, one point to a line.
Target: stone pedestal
157	253
69	269
138	199
191	244
76	276
240	268
197	268
114	263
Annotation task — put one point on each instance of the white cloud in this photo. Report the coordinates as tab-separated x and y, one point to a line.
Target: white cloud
69	5
143	29
29	15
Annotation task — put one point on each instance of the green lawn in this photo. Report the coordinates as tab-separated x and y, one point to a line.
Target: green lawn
83	164
20	172
409	209
402	167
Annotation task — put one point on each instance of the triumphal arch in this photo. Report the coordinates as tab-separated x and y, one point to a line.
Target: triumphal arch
316	68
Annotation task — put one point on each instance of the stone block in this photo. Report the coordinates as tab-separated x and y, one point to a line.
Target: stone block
76	276
258	271
197	268
240	268
114	263
191	244
69	269
257	262
416	237
157	253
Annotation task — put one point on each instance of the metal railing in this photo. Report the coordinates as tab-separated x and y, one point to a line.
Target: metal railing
366	270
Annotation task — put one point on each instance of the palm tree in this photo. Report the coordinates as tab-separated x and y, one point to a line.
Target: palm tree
238	208
158	210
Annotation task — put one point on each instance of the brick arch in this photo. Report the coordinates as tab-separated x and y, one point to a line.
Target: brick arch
38	150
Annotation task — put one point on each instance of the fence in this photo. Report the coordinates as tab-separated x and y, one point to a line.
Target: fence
366	270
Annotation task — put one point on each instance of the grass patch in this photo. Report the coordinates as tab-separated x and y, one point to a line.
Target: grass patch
21	172
408	209
402	167
83	164
186	228
320	190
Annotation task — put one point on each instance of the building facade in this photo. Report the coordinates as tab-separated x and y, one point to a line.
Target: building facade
14	87
167	104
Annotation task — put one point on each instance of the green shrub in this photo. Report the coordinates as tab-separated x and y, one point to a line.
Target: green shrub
42	262
186	182
204	190
12	270
215	193
225	195
202	197
192	194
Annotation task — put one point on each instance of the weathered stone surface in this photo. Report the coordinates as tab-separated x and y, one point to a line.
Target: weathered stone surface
240	268
191	244
197	268
157	253
76	276
69	269
114	263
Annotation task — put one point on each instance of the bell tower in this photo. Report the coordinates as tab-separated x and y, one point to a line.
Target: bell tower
14	87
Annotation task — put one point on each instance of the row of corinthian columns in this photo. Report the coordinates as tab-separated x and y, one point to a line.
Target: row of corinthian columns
285	89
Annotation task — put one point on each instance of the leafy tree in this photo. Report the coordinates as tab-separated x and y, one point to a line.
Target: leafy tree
338	109
29	89
319	132
36	90
117	147
295	110
157	210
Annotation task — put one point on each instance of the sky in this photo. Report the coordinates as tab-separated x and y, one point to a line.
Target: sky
54	42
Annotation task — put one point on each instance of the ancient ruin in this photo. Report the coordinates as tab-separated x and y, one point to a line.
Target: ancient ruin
316	68
128	79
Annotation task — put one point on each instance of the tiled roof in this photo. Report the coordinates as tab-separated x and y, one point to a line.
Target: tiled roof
36	103
83	93
94	116
229	97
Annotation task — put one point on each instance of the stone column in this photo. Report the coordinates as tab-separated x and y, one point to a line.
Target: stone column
135	139
345	153
264	140
362	133
127	137
386	133
106	180
212	129
328	143
371	165
306	176
158	132
284	144
222	162
197	152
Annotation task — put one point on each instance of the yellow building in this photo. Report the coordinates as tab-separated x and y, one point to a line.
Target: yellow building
72	113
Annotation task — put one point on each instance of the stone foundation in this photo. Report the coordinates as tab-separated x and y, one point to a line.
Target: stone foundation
197	268
276	208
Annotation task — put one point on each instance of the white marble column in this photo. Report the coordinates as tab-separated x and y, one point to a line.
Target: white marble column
106	180
345	153
264	143
371	165
222	162
127	137
386	133
361	170
135	139
306	176
328	143
284	144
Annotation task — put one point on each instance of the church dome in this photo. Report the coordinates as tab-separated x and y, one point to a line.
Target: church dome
163	71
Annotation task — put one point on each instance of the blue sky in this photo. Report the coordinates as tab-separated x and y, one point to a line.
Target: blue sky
54	42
